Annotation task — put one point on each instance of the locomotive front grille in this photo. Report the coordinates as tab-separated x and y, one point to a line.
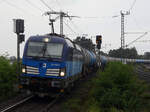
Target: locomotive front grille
52	72
32	70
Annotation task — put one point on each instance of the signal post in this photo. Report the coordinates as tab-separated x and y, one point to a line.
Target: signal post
19	30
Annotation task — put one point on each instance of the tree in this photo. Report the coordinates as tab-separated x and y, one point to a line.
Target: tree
124	53
85	43
147	55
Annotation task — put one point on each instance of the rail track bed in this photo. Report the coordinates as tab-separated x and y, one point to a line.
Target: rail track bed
46	104
31	104
18	97
143	72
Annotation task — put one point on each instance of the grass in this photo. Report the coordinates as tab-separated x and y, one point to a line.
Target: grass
78	98
117	89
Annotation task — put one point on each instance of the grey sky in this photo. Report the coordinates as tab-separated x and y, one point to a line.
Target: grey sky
102	22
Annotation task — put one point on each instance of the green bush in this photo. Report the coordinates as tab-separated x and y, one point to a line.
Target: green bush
117	87
8	78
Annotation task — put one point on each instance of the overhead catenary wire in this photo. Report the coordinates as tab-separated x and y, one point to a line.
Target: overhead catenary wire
136	23
137	39
59	5
70	28
33	5
16	7
139	25
145	41
94	17
13	5
133	4
98	17
46	5
76	27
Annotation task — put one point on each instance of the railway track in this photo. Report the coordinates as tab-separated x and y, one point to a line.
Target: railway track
143	72
32	104
11	107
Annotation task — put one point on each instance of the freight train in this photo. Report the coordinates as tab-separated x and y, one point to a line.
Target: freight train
106	59
52	64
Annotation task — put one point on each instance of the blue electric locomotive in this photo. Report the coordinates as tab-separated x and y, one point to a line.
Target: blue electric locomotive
52	63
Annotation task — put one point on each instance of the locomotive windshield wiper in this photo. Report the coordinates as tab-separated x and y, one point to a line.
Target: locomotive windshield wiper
49	57
42	51
36	57
46	54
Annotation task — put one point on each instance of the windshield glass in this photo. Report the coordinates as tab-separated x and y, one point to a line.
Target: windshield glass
54	50
35	49
39	49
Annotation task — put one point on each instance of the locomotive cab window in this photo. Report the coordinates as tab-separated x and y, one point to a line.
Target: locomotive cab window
35	49
40	49
54	50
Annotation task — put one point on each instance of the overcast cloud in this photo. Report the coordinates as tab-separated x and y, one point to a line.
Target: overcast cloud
96	17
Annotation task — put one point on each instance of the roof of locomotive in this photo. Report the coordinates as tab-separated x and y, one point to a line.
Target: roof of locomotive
52	38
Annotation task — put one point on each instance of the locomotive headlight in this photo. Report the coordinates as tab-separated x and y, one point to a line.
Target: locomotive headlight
46	40
62	72
23	70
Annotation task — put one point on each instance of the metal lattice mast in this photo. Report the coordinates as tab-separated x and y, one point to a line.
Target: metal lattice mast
122	28
122	31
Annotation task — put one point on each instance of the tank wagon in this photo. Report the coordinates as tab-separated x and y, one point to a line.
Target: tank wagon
105	59
52	63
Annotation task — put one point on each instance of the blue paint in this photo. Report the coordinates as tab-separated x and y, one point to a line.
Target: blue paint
72	62
72	68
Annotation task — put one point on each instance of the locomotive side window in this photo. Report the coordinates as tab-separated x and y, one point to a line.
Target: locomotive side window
77	47
77	53
70	44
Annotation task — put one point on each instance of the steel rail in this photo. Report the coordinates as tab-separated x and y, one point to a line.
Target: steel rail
17	104
51	103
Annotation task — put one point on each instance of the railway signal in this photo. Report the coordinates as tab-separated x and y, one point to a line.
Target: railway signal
98	41
21	38
18	26
19	30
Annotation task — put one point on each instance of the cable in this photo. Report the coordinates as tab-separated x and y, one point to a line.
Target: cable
18	8
137	39
137	24
15	6
133	4
32	4
46	5
145	41
70	28
76	27
91	17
